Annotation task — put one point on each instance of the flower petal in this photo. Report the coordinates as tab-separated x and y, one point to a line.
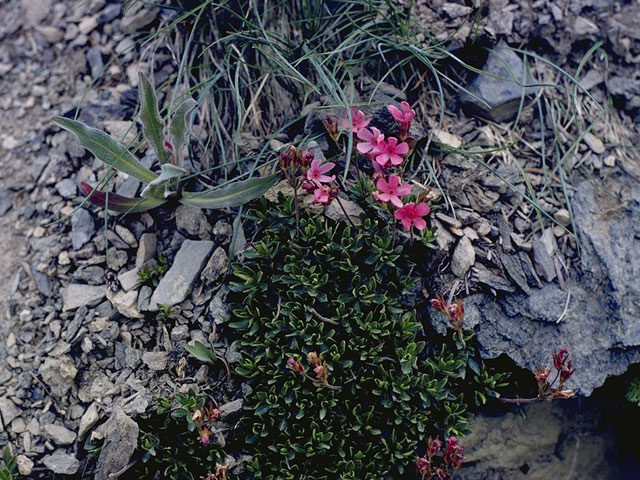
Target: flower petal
406	223
422	209
324	168
403	190
394	181
365	134
403	148
396	201
400	213
420	223
382	185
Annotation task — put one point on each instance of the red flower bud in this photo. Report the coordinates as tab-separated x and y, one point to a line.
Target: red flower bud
433	446
204	437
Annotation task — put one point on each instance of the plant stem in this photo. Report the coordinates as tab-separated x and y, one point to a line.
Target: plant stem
295	197
345	212
520	400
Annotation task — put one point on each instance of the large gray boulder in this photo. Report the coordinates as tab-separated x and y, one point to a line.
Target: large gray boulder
599	310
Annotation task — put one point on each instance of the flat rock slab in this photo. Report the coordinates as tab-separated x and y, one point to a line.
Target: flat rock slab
62	463
178	281
78	295
596	316
120	441
496	93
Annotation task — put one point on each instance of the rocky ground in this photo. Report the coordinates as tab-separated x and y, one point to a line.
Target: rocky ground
82	340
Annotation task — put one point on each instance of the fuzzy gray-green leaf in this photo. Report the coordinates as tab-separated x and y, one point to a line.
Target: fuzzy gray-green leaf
180	124
106	148
150	118
201	352
233	195
157	188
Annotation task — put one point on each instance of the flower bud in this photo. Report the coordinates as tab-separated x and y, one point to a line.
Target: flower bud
306	157
433	446
204	437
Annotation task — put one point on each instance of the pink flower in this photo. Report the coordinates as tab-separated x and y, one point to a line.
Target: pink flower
324	195
424	466
317	170
391	191
411	214
295	365
391	151
433	446
404	116
357	119
453	453
372	139
204	436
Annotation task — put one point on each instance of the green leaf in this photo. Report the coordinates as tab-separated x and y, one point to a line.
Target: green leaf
201	352
180	125
157	188
119	203
150	118
233	195
106	148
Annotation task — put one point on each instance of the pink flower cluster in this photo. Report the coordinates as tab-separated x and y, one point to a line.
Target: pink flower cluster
316	364
386	153
452	459
303	170
548	389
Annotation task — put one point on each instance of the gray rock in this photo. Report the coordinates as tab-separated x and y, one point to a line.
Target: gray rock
88	420
58	374
218	307
120	440
129	187
228	410
109	13
146	249
192	222
543	260
464	256
67	188
584	26
139	20
156	361
232	354
179	279
455	10
58	434
181	332
594	143
6	201
125	303
25	465
93	275
61	462
563	217
82	228
78	295
94	59
144	296
216	266
550	439
8	411
598	310
129	280
499	97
